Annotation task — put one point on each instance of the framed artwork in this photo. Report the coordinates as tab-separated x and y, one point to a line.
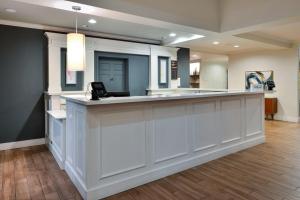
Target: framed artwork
70	80
174	70
258	79
163	71
71	77
195	68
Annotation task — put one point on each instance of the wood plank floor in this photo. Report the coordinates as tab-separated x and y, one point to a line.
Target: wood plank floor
32	173
267	171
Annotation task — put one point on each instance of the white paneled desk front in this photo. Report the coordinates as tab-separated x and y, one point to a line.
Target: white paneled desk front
116	144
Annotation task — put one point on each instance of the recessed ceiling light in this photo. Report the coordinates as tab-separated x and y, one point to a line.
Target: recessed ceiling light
236	46
172	34
92	21
216	42
10	10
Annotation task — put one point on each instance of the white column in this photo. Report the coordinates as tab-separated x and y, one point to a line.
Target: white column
90	63
153	69
54	69
155	52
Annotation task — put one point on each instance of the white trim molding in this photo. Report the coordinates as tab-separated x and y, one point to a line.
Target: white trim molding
20	144
287	118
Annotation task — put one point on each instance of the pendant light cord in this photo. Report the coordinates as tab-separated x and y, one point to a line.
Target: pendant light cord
76	9
76	21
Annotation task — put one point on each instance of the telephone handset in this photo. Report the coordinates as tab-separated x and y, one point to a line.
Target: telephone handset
99	91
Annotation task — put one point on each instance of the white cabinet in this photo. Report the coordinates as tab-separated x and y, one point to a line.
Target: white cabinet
57	136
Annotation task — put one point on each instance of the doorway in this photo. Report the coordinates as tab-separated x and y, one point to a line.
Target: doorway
113	73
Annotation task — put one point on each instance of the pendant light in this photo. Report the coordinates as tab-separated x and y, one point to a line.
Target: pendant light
75	49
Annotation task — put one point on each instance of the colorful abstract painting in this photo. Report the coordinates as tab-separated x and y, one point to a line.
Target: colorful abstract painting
258	78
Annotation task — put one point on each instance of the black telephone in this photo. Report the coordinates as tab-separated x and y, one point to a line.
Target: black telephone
99	91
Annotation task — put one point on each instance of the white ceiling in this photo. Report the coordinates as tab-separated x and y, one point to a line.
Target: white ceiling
203	14
61	18
196	56
227	44
124	24
290	31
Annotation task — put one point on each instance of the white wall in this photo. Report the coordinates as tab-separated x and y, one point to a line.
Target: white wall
299	81
213	69
213	74
284	63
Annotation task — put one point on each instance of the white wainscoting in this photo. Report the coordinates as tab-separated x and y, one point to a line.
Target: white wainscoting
203	123
122	142
57	139
170	132
253	109
231	119
112	148
56	136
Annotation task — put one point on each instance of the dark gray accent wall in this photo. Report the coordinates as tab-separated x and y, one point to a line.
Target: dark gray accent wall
23	61
138	71
183	58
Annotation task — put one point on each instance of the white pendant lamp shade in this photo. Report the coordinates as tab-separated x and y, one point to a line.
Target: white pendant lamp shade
75	52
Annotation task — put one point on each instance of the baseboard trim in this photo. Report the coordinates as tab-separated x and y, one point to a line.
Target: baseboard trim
20	144
76	180
287	118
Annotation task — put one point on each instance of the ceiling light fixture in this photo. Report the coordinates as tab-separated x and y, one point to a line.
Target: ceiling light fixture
236	46
216	42
172	34
92	21
10	10
76	48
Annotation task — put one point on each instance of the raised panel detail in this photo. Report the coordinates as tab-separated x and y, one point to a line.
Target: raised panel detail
70	141
123	142
170	132
253	115
57	135
231	120
80	141
204	129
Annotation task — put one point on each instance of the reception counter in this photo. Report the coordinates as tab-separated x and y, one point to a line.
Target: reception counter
115	144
